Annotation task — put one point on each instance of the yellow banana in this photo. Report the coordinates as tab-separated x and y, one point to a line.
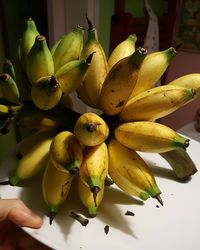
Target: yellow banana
181	162
33	160
71	74
122	50
39	60
67	101
46	93
90	129
147	136
86	197
155	103
8	68
9	89
120	82
69	48
66	152
9	110
94	168
98	70
27	41
188	81
130	172
152	69
55	188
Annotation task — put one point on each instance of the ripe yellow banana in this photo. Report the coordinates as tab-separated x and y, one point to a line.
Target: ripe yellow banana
152	69
155	103
147	136
46	93
34	159
90	129
122	50
55	188
69	47
66	152
181	162
9	89
188	81
27	41
130	172
71	74
94	168
9	110
8	68
98	70
39	60
67	101
120	82
87	198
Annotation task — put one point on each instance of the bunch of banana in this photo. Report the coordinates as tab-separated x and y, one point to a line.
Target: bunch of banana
91	147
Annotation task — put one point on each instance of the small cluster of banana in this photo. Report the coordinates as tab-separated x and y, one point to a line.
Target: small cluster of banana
90	147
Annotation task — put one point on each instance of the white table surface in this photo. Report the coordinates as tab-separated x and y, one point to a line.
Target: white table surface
190	131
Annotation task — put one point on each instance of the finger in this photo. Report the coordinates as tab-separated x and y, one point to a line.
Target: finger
17	212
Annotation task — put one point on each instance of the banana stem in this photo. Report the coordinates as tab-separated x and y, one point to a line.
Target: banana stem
158	198
80	219
52	215
5	183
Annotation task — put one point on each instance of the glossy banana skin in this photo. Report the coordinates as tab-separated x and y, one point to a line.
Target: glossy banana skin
55	188
90	129
147	136
122	50
66	152
120	82
156	103
130	172
152	69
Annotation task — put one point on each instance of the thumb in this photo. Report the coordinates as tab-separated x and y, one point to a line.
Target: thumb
17	212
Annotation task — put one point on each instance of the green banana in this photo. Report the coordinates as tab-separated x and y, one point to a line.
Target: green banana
39	60
46	93
147	136
27	40
180	162
71	74
152	69
155	103
120	82
9	89
8	68
55	188
69	48
130	172
122	50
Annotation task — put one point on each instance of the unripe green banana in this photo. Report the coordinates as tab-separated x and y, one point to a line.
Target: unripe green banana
86	197
94	168
130	172
122	50
55	45
120	82
152	69
27	40
69	48
188	81
90	129
9	89
33	160
181	162
98	70
55	188
149	136
46	93
39	60
66	152
71	74
155	103
9	68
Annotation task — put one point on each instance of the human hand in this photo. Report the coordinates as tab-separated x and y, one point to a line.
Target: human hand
13	215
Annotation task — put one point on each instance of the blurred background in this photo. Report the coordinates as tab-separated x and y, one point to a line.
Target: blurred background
114	20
